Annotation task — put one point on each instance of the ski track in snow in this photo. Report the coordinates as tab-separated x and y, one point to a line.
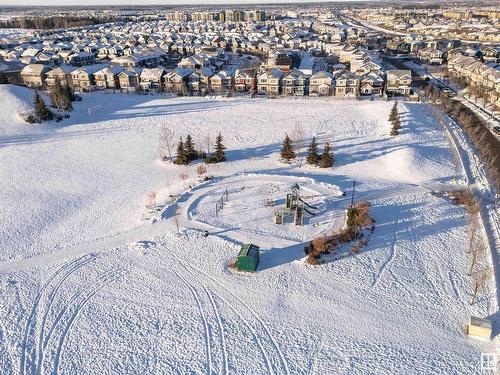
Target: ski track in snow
36	351
241	316
42	340
221	330
102	281
67	268
314	358
203	316
265	329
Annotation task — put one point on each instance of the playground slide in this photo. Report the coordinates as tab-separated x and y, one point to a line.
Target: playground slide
308	205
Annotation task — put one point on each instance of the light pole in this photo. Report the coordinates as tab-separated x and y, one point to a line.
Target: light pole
352	195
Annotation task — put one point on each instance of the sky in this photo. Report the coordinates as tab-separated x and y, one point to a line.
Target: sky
144	2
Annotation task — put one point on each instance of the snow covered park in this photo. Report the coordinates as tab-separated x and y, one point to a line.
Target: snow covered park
90	282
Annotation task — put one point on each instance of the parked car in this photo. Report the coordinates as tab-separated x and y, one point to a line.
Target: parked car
449	93
496	129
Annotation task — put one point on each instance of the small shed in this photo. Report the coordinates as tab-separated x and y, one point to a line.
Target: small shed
248	258
479	327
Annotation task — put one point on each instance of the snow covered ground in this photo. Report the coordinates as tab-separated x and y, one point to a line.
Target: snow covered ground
88	287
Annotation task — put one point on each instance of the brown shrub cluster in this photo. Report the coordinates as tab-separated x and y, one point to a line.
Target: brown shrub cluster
465	198
358	217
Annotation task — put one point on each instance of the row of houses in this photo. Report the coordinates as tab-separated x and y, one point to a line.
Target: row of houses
199	80
477	74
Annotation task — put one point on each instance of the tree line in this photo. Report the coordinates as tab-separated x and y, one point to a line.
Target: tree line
475	128
61	98
186	151
57	22
322	160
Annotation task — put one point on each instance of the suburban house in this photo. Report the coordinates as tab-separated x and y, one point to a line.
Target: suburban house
81	58
294	83
107	78
221	82
197	61
269	82
150	79
199	81
245	80
149	60
321	84
398	82
491	54
63	73
10	72
129	80
431	55
346	84
176	80
371	84
83	79
33	75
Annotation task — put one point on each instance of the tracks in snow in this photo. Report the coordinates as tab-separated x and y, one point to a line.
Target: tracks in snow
52	317
378	276
212	298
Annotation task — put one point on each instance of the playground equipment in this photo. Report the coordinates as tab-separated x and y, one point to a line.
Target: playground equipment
219	206
296	207
278	217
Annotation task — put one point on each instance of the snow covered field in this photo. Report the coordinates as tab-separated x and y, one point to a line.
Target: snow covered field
88	287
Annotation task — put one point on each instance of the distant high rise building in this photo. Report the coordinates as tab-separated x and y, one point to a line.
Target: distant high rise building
260	15
229	15
250	15
238	16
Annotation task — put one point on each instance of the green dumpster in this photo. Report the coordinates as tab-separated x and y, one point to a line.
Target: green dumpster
248	258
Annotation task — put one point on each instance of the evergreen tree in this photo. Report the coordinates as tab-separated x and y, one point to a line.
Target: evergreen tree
189	149
394	112
394	131
180	157
326	158
287	152
219	154
396	123
312	152
41	110
394	119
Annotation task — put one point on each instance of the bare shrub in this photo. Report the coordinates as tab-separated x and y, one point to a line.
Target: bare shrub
184	176
480	283
233	263
167	141
477	253
201	170
319	245
344	236
313	260
151	199
359	246
358	216
298	135
465	198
